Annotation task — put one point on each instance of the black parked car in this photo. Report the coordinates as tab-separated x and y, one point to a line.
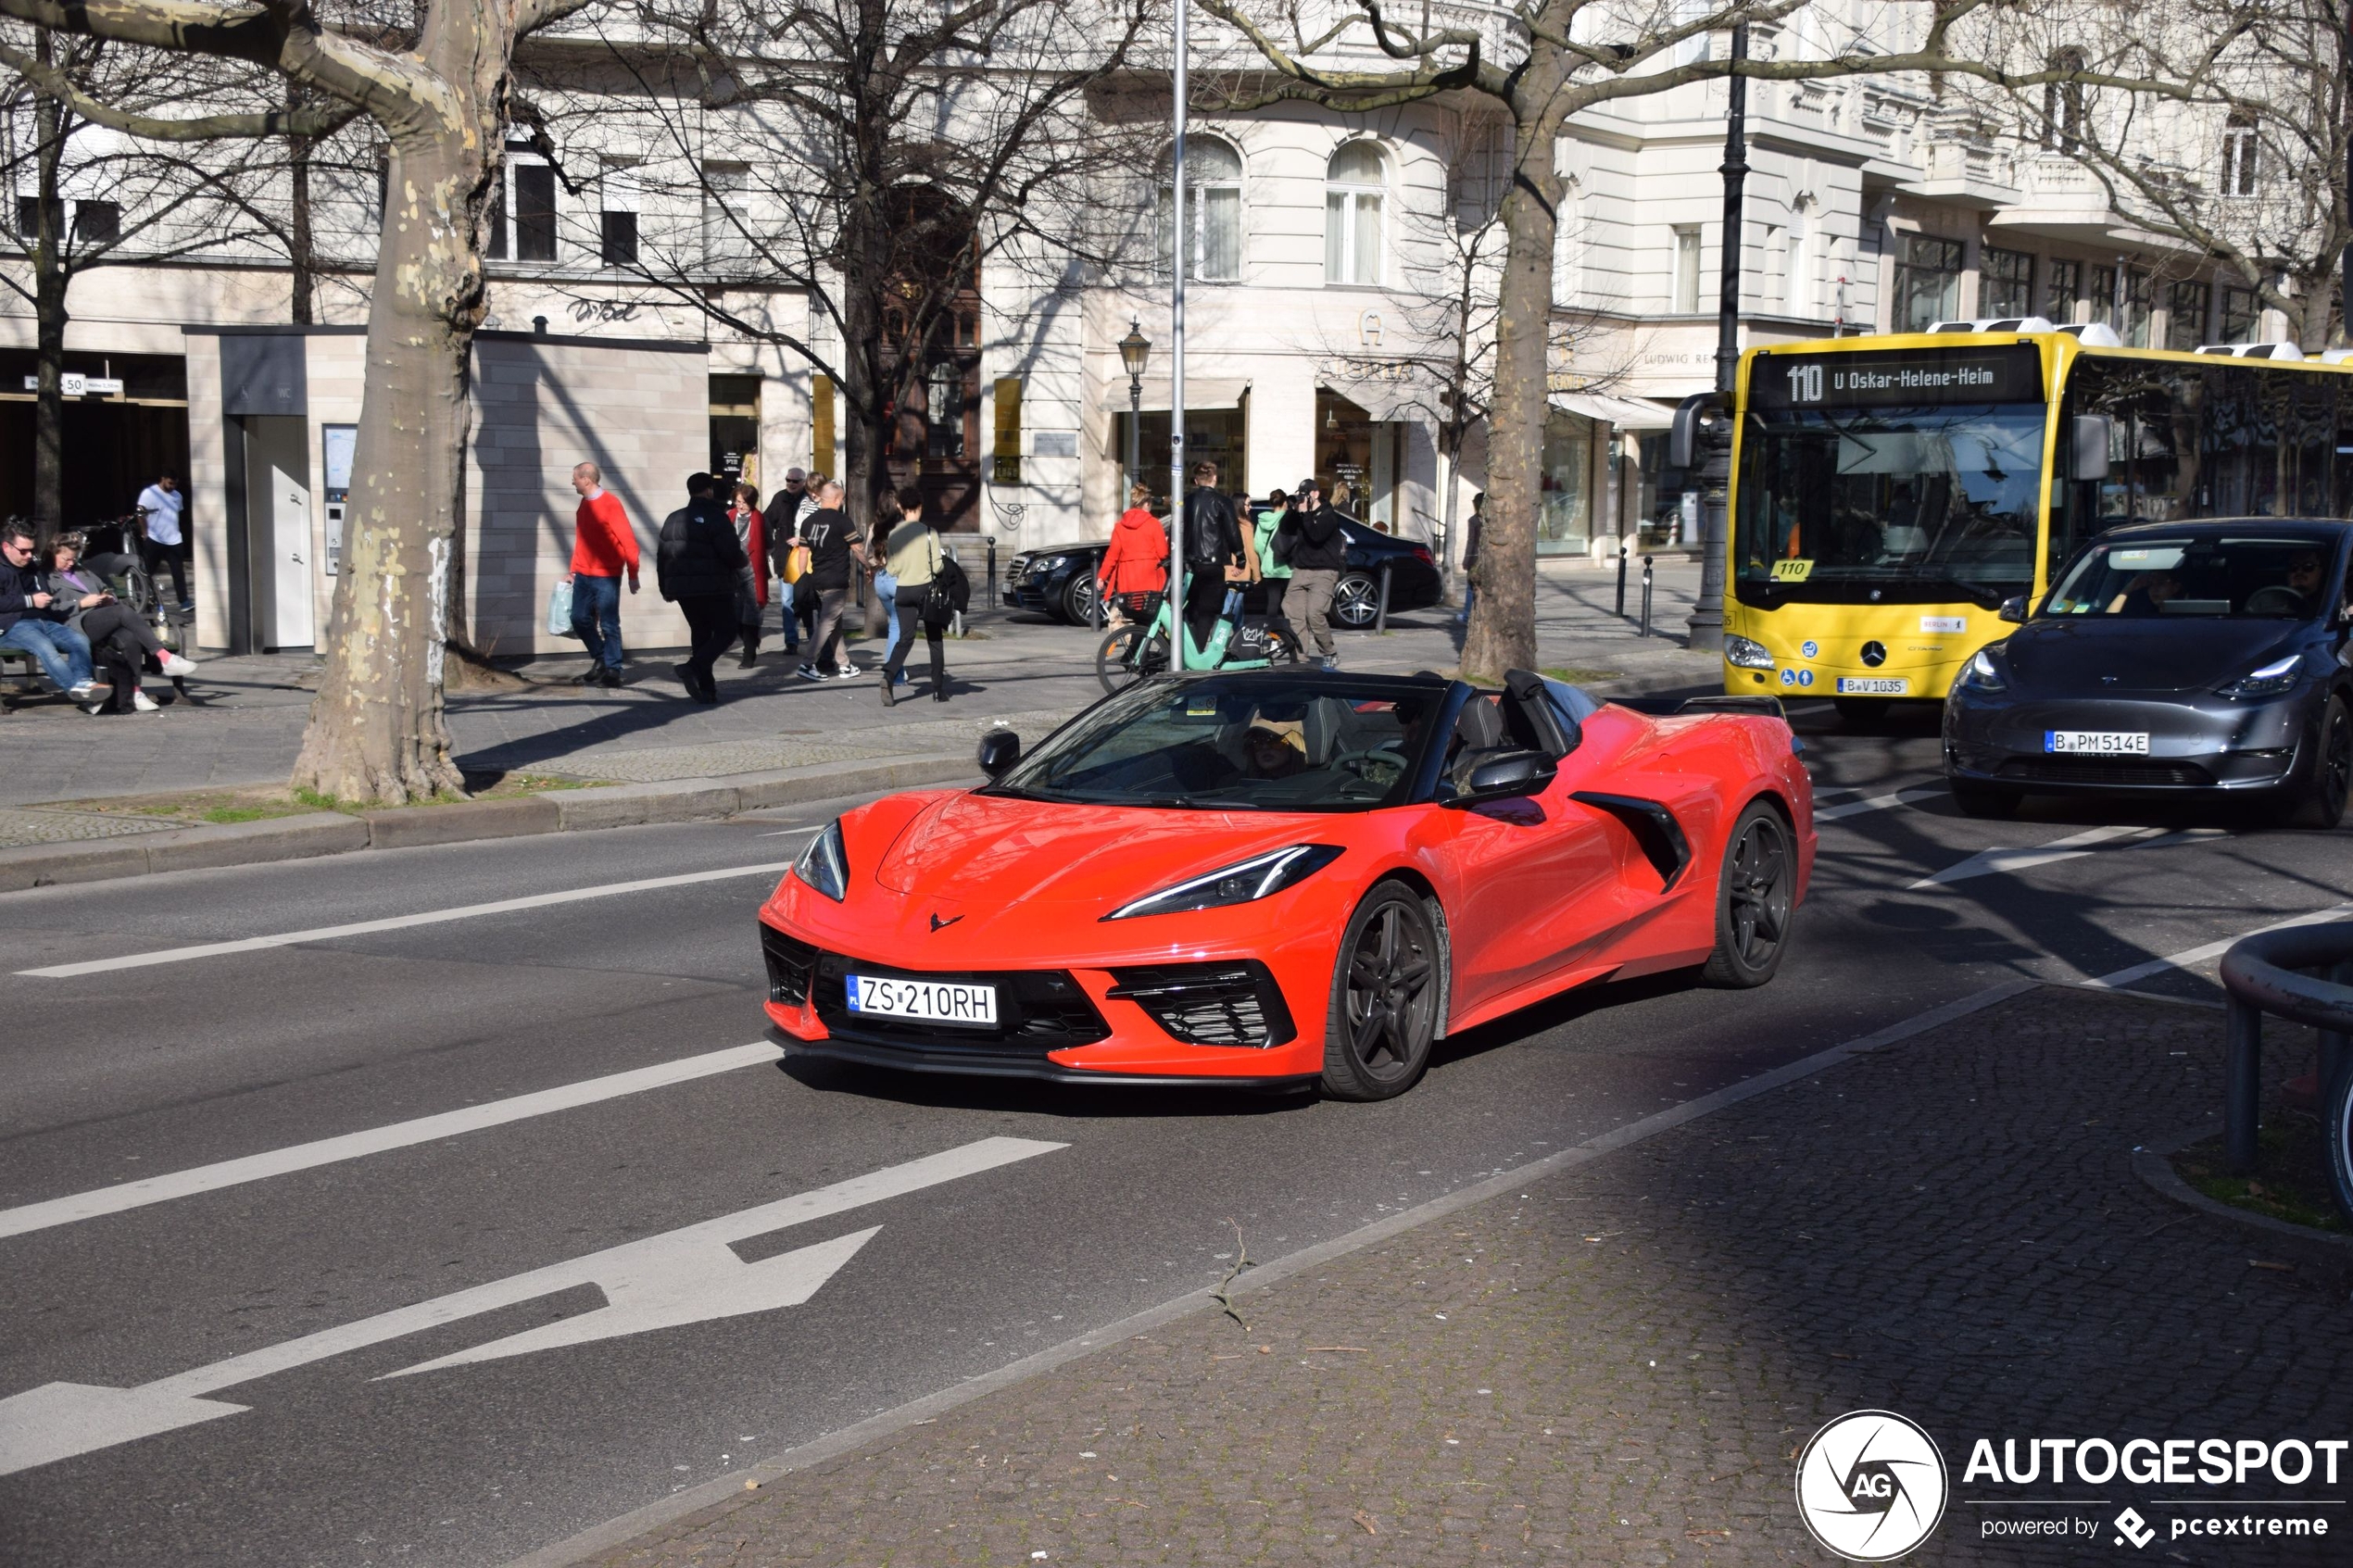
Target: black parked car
2186	658
1059	581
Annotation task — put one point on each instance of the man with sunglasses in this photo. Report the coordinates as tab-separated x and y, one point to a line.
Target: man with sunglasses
31	621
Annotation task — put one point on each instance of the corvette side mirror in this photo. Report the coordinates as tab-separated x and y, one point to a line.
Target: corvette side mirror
999	749
1510	776
2014	607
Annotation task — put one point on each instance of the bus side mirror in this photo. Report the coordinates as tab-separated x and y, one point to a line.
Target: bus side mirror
1690	428
2014	607
2092	436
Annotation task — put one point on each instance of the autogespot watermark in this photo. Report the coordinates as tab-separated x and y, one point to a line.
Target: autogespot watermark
1872	1485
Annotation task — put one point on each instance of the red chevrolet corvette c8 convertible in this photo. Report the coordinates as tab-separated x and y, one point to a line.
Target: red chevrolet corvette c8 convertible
1289	876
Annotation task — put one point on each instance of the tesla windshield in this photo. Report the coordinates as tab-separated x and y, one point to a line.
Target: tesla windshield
2212	572
1247	743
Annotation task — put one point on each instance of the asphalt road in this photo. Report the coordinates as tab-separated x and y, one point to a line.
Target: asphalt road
630	1383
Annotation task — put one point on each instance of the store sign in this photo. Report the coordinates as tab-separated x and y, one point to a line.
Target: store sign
1909	379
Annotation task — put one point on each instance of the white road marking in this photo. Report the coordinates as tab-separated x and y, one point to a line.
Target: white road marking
374	1140
681	1276
1996	863
2205	950
396	923
1878	802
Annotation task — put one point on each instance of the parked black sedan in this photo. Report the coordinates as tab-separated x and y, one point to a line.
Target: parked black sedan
2183	658
1060	581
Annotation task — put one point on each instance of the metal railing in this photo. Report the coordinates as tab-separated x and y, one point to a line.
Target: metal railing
2272	972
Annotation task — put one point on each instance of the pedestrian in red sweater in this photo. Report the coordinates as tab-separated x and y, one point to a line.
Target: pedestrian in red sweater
1135	562
603	547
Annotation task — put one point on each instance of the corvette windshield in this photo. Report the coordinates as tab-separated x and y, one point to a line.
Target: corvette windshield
1244	743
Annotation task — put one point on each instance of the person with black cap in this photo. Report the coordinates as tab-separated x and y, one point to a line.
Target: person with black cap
1316	562
696	565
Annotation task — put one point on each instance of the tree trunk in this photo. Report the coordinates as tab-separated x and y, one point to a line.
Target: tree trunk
301	256
377	733
1502	625
50	281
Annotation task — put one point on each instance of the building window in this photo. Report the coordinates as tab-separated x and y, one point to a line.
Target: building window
2102	295
97	222
2240	155
2005	282
1798	266
2063	105
616	215
944	409
2242	314
524	226
1352	188
2132	317
726	236
1686	301
2185	308
28	218
1212	212
1927	283
2065	302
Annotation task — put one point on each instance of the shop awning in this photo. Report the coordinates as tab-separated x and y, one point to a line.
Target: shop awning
1201	392
1625	413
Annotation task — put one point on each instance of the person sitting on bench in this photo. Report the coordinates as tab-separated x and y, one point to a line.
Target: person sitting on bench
106	621
30	623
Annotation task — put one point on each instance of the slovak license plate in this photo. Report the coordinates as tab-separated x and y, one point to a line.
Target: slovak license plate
933	1001
2096	743
1872	685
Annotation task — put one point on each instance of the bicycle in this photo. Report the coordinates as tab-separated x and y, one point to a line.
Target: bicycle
1141	648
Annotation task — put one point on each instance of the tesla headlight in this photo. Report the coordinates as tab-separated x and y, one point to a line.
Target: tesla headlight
823	865
1983	672
1741	654
1245	881
2270	681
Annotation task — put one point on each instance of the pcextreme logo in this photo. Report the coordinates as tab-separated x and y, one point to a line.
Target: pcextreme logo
1870	1486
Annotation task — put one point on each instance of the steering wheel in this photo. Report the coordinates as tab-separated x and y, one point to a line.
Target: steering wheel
1376	764
2276	599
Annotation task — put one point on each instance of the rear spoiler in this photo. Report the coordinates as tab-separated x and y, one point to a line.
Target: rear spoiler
1671	707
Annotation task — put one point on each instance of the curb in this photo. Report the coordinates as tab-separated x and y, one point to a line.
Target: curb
314	834
2153	1164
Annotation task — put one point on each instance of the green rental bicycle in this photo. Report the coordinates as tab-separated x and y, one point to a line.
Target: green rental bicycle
1141	648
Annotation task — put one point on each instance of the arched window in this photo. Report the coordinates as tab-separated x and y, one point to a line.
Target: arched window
1213	213
2239	156
1353	186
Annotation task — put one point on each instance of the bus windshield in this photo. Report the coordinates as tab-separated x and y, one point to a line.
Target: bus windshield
1902	504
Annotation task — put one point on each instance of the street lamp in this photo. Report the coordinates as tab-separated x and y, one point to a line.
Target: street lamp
1716	473
1135	350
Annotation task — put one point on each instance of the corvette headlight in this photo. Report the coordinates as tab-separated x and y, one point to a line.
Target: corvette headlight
2270	681
823	865
1981	673
1741	654
1245	881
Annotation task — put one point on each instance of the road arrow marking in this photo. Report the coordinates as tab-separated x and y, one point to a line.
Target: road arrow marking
1997	862
681	1276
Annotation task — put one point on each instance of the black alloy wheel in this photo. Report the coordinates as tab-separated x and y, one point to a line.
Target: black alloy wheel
1356	601
1385	988
1078	598
2321	803
1755	895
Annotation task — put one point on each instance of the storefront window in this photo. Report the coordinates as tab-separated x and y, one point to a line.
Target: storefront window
1564	520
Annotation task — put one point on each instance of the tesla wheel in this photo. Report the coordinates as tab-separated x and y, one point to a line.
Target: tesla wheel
2321	803
1385	994
1356	601
1754	895
1078	599
2338	1113
1119	663
1990	801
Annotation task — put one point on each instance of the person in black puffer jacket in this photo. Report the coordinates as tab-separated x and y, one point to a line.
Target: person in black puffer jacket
696	566
1316	562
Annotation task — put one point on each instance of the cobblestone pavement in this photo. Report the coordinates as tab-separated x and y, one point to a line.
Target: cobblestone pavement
1620	1364
246	726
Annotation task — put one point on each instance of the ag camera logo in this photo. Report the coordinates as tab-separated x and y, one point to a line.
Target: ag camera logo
1871	1486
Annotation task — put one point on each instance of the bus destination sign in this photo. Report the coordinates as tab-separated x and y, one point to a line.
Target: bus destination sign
1912	378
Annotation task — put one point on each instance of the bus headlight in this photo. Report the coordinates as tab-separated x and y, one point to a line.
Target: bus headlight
1741	654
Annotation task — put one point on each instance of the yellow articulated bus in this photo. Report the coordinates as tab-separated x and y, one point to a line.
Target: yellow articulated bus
1897	499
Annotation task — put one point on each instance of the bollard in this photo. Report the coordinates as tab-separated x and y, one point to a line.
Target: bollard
1380	616
992	572
1621	577
1099	597
2241	1085
1646	597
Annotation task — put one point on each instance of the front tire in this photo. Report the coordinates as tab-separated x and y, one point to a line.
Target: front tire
1386	989
1119	665
1755	895
1356	602
2320	802
1078	599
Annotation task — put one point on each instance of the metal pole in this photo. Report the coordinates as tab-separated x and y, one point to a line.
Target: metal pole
2345	314
1716	475
1177	350
2241	1085
1380	616
992	572
1646	595
1135	430
1621	577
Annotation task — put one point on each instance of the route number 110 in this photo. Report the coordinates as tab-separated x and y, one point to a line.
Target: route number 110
1805	383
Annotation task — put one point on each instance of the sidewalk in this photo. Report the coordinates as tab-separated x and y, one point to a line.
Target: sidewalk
1019	668
1620	1362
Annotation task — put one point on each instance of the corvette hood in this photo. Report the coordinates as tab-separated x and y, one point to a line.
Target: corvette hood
2067	657
989	851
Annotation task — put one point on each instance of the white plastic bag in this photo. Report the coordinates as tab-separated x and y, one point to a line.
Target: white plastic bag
560	609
